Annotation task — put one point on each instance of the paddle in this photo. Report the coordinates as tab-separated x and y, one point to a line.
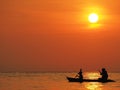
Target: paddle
99	71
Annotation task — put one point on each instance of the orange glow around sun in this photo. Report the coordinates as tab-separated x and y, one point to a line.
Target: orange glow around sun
93	17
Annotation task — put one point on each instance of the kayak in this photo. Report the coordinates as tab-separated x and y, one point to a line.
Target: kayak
70	79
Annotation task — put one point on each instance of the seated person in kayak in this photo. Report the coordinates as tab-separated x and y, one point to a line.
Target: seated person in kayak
79	75
104	75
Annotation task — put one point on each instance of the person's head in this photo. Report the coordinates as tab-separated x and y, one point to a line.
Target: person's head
80	70
103	69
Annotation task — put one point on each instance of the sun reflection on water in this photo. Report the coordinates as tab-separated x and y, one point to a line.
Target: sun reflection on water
93	85
92	75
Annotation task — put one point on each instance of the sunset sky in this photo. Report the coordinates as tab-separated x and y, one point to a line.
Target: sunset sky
55	35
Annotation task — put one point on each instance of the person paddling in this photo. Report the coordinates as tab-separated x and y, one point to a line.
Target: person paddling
104	75
79	75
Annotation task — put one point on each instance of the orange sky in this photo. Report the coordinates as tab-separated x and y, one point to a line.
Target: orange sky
54	35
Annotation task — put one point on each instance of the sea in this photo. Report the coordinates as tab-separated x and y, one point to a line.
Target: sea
55	81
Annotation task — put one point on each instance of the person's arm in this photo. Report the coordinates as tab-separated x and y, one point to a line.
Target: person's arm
76	76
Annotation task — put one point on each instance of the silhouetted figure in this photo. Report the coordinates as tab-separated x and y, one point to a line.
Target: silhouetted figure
80	76
104	75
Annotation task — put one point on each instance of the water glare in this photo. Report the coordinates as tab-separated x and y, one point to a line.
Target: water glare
93	86
92	75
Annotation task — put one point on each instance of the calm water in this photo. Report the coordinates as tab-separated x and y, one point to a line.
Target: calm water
54	81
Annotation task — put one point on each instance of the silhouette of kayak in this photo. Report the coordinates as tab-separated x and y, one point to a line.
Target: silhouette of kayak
70	79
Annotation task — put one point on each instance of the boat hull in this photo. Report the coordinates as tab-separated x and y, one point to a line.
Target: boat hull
70	79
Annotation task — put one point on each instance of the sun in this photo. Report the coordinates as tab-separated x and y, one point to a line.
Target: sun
93	18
